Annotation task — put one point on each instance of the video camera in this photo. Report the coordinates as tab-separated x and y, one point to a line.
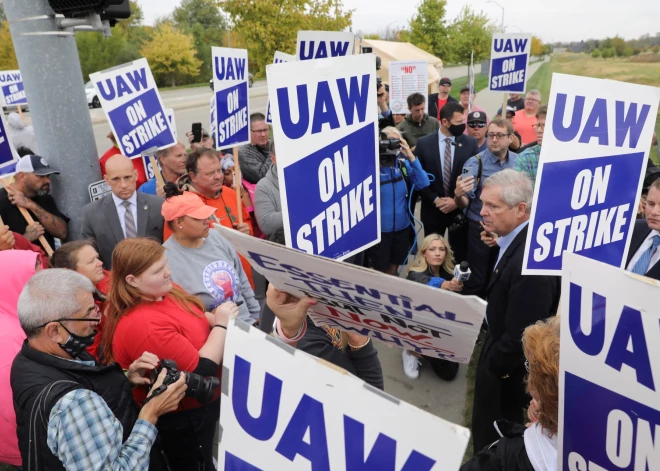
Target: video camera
201	388
388	149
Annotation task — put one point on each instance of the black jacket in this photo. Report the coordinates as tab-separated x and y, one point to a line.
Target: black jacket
516	301
433	104
428	153
640	233
507	454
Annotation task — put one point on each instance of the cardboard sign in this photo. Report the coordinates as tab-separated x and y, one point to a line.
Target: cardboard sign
12	89
148	168
509	62
325	123
98	190
609	409
132	104
278	59
406	78
591	171
8	155
285	410
324	44
232	108
410	315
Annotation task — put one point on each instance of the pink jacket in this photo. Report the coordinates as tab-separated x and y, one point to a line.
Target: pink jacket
16	268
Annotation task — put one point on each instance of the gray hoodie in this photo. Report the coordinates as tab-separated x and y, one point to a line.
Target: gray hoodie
267	204
21	135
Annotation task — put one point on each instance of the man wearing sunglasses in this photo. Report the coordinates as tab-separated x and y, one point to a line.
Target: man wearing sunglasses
476	127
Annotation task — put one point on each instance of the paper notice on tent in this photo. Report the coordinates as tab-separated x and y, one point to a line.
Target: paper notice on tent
324	44
509	62
430	321
278	59
406	78
130	100
591	170
609	409
230	87
11	88
283	409
325	123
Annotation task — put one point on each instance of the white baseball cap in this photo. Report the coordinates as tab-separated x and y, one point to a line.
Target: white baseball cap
37	165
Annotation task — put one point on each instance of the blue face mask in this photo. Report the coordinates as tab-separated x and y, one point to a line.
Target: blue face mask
76	344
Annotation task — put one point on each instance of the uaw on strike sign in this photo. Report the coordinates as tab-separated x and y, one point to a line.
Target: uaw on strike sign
230	85
509	60
11	85
326	128
609	409
131	101
591	171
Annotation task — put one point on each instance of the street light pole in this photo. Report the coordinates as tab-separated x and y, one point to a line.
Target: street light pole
493	1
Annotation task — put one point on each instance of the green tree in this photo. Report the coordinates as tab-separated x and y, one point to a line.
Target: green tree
171	55
469	32
371	36
3	16
608	52
266	26
7	55
595	53
428	29
204	21
619	45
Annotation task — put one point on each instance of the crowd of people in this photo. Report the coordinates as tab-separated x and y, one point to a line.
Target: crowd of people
94	335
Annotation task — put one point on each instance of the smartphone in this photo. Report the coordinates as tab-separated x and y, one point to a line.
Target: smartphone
467	173
197	132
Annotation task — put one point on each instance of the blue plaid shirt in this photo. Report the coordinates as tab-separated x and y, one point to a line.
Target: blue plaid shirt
85	435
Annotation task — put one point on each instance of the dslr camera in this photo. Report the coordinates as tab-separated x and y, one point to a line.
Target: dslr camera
201	388
388	149
460	221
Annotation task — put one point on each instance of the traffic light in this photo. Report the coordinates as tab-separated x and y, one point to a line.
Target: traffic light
111	10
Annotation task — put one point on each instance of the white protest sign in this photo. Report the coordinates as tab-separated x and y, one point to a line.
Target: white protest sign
285	410
169	113
325	123
278	59
609	408
132	104
324	44
406	78
591	171
509	62
230	87
98	190
410	315
11	86
213	125
8	155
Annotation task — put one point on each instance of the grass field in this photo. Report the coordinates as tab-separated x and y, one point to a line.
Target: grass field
623	70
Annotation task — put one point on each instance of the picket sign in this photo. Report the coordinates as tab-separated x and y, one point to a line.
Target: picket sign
591	171
324	44
609	402
406	78
8	155
171	119
130	100
286	410
230	88
509	64
410	315
326	131
278	59
12	90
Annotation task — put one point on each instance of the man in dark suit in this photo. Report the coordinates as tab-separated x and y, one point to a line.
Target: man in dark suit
644	252
122	214
515	301
443	155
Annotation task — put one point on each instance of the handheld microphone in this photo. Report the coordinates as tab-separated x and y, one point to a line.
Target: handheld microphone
462	272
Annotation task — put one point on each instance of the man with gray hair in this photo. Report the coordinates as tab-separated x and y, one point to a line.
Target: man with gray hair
524	120
71	412
515	301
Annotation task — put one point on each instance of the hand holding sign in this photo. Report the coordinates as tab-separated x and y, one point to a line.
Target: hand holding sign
291	311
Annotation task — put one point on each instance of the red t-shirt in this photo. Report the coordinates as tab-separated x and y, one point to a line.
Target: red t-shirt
441	103
524	125
168	331
137	163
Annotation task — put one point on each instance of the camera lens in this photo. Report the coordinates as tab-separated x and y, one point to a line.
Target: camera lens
201	388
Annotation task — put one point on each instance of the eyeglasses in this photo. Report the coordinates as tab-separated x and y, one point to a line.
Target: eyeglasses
260	131
499	135
538	127
97	318
476	125
532	99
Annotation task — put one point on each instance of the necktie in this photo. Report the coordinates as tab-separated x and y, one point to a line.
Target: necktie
446	167
642	265
129	221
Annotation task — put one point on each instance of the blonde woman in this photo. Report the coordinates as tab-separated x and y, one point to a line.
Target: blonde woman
433	266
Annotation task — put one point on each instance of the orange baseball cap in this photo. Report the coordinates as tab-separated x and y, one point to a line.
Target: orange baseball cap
187	204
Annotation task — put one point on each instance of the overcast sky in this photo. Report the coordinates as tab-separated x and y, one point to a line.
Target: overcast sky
552	20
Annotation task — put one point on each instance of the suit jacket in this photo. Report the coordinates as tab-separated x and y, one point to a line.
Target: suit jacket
433	104
101	224
428	153
515	301
640	233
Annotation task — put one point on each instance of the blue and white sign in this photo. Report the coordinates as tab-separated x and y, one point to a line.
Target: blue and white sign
131	101
232	108
11	85
8	155
509	62
591	170
279	58
609	408
326	128
283	409
324	44
213	125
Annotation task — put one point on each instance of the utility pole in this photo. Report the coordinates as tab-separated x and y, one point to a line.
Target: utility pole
502	27
48	59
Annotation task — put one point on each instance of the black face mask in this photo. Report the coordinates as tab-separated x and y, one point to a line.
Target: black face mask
76	344
456	129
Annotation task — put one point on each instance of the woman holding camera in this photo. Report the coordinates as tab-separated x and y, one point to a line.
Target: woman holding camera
148	312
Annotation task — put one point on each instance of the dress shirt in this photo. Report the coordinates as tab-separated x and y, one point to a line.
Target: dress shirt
505	241
121	210
643	248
